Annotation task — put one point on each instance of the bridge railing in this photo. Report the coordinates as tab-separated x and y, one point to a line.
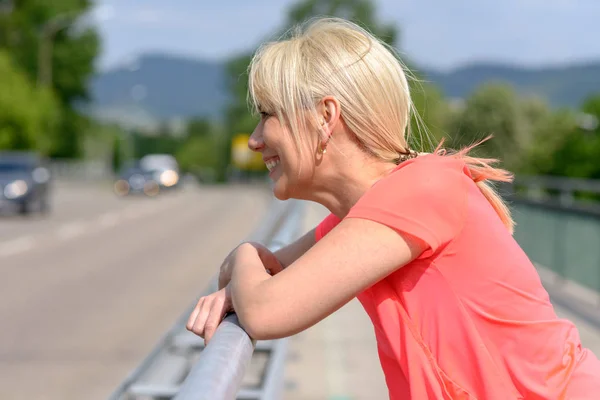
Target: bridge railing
559	232
554	189
180	367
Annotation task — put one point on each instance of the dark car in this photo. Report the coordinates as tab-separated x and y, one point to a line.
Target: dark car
24	182
137	180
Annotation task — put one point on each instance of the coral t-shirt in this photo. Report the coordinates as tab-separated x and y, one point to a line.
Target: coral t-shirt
469	318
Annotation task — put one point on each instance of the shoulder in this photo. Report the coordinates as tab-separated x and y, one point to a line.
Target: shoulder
424	197
425	180
428	170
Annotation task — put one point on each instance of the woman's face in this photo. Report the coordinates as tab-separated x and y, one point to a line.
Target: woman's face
292	173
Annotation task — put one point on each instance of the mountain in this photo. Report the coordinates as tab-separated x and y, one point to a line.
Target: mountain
565	86
158	87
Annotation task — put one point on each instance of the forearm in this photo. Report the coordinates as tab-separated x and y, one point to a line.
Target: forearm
245	281
267	307
290	253
284	256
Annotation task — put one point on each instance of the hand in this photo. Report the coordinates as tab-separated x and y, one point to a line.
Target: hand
269	260
209	312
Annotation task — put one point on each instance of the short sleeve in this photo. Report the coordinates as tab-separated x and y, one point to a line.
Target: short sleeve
426	199
325	226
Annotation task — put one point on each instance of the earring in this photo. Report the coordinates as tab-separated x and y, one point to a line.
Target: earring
322	149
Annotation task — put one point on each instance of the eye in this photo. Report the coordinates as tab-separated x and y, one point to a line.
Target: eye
265	115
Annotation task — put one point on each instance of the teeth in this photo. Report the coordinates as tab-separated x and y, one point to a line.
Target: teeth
272	164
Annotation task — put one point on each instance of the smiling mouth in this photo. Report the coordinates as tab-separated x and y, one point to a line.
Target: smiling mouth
272	163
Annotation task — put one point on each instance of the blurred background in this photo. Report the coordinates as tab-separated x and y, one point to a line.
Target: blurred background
102	83
124	166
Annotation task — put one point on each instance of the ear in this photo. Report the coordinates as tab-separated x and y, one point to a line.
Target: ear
329	111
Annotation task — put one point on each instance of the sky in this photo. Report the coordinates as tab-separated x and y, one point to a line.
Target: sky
438	34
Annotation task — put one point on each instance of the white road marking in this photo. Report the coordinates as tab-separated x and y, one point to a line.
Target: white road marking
134	211
16	246
71	230
109	219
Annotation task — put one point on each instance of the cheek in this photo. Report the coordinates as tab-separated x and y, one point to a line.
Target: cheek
306	168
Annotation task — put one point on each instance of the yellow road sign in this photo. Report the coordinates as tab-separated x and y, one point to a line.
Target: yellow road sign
244	158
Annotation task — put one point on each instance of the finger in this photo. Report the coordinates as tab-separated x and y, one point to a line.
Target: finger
217	312
198	328
194	314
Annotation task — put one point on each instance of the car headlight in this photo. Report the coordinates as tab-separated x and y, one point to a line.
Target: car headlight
15	189
169	178
121	187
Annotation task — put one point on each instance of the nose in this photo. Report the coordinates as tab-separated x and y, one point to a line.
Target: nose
256	142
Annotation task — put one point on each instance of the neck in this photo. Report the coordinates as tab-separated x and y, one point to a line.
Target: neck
341	188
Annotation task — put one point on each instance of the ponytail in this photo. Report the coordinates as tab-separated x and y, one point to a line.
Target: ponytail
482	172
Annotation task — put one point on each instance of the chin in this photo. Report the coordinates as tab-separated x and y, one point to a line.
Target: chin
280	191
285	190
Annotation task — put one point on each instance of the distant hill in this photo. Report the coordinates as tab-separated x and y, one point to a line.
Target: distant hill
565	86
157	87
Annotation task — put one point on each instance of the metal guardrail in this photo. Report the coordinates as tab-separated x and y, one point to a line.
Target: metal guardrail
538	187
181	368
219	372
80	170
559	232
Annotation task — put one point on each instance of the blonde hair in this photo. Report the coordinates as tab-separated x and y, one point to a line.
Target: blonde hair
335	57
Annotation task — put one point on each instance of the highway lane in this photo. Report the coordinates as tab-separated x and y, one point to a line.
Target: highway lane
69	202
87	291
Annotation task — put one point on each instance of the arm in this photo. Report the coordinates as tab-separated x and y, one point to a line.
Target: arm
274	262
290	253
210	309
353	256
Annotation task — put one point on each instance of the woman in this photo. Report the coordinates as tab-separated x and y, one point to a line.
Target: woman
422	240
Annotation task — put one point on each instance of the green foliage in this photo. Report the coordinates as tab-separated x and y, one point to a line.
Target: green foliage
361	12
199	155
491	109
199	128
565	145
117	155
495	109
529	137
161	144
428	125
591	106
39	30
28	116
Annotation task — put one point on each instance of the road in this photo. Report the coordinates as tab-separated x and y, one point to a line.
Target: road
87	291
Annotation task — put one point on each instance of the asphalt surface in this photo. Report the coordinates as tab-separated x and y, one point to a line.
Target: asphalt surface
87	291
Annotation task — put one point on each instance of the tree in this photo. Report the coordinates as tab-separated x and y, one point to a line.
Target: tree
567	143
199	127
430	120
28	116
551	137
55	51
361	12
492	109
117	155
